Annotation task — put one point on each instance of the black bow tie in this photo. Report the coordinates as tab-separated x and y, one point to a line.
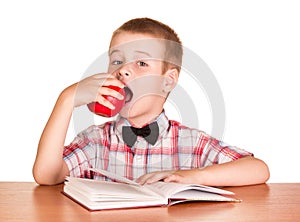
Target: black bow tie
149	132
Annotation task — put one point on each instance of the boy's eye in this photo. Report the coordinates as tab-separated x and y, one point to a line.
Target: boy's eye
141	63
116	62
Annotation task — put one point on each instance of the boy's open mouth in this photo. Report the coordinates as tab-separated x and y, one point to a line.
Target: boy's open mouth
128	94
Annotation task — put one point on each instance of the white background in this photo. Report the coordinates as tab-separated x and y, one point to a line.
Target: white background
252	48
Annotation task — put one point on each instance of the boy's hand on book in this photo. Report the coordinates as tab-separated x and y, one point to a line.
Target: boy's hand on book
92	89
176	176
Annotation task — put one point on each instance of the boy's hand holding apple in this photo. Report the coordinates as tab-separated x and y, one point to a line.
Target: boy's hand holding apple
102	89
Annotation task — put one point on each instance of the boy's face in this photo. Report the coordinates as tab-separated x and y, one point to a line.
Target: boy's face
137	60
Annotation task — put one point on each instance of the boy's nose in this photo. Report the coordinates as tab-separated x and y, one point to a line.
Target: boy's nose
124	73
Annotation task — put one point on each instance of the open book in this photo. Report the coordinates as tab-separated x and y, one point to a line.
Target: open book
100	195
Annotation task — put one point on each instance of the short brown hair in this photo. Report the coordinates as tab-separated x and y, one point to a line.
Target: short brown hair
157	29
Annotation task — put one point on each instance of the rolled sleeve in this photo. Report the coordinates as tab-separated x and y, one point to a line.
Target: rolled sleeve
218	152
79	156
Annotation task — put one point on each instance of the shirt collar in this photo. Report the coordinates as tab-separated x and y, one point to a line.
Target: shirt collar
162	121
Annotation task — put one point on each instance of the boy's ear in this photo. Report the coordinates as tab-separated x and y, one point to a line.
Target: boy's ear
170	80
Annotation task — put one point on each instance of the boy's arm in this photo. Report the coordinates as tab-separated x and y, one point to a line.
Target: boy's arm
49	167
244	171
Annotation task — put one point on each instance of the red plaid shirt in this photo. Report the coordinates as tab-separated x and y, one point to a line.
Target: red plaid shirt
177	147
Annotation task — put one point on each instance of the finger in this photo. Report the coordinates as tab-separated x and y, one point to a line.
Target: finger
158	176
106	79
173	178
155	178
110	80
142	179
105	102
110	92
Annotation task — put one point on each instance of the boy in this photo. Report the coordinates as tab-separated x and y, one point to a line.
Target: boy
145	55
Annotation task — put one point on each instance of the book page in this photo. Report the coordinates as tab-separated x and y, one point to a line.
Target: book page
162	188
114	176
196	195
169	189
96	189
101	204
98	194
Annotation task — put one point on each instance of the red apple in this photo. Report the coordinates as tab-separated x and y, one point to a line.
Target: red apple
101	110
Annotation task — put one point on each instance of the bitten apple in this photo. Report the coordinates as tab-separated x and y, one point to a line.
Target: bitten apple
102	110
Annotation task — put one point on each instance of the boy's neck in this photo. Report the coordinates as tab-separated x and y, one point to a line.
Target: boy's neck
142	120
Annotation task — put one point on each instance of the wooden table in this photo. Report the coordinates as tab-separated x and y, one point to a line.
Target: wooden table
266	202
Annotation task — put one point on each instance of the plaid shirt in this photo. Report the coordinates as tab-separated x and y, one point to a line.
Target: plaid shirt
177	147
